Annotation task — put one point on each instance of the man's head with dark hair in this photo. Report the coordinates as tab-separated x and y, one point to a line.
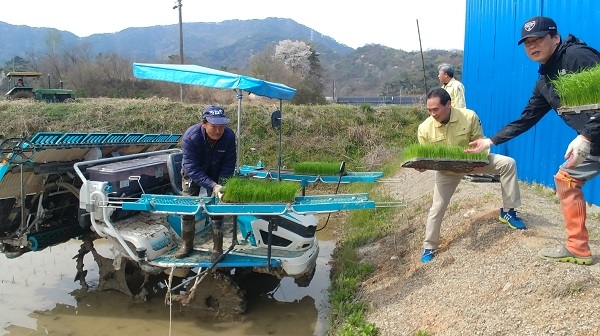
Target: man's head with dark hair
438	105
439	93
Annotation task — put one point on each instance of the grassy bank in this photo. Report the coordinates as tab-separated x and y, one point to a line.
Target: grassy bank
367	139
362	227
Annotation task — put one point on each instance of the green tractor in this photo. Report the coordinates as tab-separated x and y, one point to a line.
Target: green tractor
21	89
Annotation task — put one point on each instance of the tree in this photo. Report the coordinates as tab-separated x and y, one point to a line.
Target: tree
54	43
294	55
303	60
16	63
312	90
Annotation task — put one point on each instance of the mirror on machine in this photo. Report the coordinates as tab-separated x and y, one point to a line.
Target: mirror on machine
276	119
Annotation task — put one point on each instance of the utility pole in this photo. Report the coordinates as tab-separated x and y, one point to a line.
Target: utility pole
178	6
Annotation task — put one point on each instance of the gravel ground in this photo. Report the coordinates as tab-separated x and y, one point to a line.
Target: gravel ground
487	278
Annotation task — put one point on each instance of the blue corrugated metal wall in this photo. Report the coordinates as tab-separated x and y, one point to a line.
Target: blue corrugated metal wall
499	78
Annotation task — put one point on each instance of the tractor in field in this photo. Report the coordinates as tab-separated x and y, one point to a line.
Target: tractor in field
20	83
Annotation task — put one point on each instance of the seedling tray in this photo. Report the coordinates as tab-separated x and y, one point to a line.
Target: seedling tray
591	108
453	165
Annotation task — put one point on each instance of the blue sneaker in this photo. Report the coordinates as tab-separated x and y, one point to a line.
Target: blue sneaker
510	217
427	255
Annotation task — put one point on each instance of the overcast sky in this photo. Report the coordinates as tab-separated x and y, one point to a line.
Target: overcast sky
390	23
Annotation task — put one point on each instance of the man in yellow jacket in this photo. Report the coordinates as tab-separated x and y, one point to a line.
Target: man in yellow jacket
455	88
451	126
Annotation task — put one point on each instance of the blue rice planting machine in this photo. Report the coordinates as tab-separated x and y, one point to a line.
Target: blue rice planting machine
126	188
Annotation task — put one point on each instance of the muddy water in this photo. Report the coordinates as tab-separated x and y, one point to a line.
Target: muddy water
38	296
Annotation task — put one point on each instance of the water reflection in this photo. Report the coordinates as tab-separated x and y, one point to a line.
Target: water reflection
39	297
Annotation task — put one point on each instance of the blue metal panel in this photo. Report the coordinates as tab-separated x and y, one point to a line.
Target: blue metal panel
499	78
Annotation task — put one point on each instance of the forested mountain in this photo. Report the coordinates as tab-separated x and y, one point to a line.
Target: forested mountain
376	69
228	45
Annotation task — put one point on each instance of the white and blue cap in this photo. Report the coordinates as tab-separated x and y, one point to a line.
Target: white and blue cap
215	115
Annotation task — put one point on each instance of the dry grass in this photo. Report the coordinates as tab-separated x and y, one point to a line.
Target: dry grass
486	279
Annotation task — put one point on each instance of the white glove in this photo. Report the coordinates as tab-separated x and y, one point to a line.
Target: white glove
578	150
479	145
217	190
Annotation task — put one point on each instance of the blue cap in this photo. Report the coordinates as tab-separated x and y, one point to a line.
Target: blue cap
215	115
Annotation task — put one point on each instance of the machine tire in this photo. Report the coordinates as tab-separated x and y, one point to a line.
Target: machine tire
255	284
22	95
219	294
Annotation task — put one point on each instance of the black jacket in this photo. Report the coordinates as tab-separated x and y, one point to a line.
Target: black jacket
572	55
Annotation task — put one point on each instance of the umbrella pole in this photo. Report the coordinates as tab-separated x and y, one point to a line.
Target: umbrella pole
279	154
239	130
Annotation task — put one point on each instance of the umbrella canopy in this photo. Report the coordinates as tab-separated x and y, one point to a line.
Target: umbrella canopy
197	75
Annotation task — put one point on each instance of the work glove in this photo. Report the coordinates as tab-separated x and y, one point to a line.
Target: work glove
479	145
217	190
577	152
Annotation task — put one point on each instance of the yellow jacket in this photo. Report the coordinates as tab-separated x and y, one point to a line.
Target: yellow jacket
463	127
456	90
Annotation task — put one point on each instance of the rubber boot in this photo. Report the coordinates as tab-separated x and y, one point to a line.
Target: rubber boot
188	231
217	237
573	207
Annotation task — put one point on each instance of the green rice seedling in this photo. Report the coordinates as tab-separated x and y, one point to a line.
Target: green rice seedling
433	151
249	190
579	88
317	168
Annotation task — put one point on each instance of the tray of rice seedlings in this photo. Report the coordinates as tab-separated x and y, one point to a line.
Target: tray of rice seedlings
249	190
317	168
579	92
442	157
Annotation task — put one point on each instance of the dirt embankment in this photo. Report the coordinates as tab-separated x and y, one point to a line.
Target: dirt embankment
487	279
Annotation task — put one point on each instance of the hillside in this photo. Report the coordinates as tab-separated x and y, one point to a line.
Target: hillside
225	44
487	279
228	45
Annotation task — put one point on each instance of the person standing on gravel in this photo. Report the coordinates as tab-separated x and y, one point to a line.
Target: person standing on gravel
455	88
451	126
209	157
543	44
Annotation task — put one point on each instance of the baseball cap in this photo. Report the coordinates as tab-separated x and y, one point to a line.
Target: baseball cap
215	115
538	26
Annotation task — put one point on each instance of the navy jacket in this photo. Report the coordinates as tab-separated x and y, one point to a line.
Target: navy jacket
572	55
208	165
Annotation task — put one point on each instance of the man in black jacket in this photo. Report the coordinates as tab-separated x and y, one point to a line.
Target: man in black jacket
209	157
558	57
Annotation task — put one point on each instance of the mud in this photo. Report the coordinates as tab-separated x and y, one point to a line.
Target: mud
41	294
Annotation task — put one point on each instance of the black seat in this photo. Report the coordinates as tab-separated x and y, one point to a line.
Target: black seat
174	167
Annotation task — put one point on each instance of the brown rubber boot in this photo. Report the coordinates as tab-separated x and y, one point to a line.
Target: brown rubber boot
217	245
217	237
188	232
573	207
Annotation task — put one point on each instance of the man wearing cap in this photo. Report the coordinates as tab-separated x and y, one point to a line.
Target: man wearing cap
557	57
209	157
